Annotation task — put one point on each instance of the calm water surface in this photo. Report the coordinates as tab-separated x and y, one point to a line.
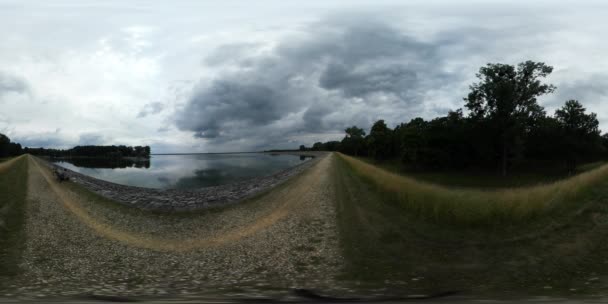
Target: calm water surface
184	171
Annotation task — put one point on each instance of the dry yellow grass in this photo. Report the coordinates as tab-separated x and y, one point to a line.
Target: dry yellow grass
478	206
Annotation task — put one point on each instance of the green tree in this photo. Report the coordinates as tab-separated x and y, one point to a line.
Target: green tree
505	101
379	140
4	145
579	130
409	140
354	141
318	146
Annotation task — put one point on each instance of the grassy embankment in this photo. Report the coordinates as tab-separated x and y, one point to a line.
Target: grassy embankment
396	231
480	207
522	176
13	189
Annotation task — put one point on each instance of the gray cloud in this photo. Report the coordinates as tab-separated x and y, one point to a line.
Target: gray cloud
91	139
381	59
360	82
50	139
592	89
11	83
234	53
226	101
151	109
318	81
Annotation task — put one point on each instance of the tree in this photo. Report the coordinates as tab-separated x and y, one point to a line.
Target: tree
409	140
4	145
318	146
580	132
505	101
114	152
379	140
302	148
354	141
543	142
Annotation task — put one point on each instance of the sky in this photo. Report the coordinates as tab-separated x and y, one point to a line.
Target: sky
219	76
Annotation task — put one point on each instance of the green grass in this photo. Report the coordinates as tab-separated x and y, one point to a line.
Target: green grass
475	207
470	178
386	245
13	190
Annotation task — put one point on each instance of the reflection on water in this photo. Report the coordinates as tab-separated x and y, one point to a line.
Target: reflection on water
183	171
106	163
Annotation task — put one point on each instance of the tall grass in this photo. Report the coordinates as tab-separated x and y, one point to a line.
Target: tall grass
13	190
471	206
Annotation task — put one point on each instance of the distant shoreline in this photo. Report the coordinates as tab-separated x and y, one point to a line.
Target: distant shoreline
195	153
249	152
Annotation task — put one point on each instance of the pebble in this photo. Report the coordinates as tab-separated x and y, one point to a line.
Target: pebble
84	262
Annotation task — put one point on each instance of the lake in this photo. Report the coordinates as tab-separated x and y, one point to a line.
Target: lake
189	171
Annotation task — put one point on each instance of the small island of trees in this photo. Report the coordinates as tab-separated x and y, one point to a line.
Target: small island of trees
8	149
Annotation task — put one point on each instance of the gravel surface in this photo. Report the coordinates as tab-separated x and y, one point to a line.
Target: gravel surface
286	238
182	200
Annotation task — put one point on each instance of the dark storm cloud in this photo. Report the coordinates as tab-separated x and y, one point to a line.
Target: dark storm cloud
229	101
317	81
361	82
11	83
151	109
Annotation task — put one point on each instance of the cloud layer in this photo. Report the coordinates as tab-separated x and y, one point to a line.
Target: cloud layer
185	77
318	80
12	84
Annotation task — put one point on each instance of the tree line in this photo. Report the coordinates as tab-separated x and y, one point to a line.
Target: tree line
8	148
93	151
504	126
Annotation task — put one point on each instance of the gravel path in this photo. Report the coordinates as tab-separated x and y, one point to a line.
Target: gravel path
283	239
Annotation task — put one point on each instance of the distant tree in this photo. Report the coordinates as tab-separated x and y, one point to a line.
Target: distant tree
579	130
4	145
379	140
113	152
505	101
15	149
302	148
543	142
409	140
331	146
318	146
604	145
8	148
449	142
354	141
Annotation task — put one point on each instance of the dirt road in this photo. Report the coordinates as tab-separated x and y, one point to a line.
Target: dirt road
77	242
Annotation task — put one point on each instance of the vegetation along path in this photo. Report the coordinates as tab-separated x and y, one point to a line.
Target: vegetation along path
341	225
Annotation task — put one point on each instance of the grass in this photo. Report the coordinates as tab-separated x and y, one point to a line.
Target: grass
476	178
472	207
13	190
385	245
